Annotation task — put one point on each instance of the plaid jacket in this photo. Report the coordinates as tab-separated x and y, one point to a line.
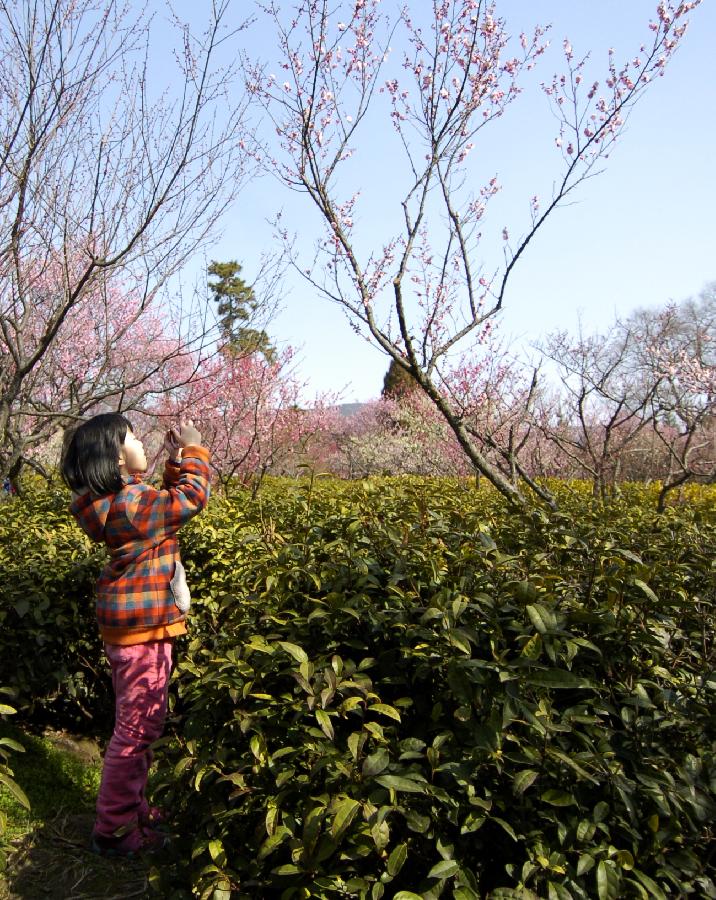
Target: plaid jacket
139	525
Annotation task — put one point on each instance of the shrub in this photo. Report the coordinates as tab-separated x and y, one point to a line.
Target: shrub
50	652
399	688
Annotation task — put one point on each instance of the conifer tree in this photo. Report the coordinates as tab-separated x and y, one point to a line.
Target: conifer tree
397	382
236	304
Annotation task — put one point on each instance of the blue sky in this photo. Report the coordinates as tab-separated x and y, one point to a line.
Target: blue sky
640	234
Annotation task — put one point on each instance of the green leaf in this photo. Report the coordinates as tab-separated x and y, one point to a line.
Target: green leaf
627	554
505	826
533	648
568	761
6	710
22	607
375	763
259	643
526	591
183	764
645	589
558	798
557	891
298	653
385	710
458	639
607	881
354	743
273	841
473	822
446	868
431	613
287	869
557	678
486	540
346	811
380	832
650	885
398	783
216	850
324	720
15	790
271	819
407	895
376	730
464	893
415	821
397	858
523	780
601	810
638	889
351	703
542	618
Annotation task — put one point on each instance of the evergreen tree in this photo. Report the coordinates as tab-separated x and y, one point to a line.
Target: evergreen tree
397	382
236	303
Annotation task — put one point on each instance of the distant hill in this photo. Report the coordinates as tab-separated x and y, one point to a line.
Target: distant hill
349	409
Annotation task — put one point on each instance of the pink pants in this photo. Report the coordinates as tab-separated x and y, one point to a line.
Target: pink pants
140	677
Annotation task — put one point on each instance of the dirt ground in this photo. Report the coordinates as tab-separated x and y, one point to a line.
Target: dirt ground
85	749
56	864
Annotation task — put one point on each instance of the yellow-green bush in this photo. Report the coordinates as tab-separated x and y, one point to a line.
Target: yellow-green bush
50	652
400	688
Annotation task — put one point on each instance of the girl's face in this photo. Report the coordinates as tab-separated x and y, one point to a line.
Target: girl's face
132	458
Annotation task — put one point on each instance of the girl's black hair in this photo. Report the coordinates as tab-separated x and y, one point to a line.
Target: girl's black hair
91	456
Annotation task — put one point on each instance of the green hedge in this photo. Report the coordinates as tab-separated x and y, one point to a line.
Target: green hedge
50	653
398	688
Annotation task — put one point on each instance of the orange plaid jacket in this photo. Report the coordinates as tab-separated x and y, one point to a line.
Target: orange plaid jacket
139	525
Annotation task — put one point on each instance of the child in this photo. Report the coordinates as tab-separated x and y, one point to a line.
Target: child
141	601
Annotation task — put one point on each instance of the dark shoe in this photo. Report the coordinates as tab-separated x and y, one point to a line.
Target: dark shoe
136	842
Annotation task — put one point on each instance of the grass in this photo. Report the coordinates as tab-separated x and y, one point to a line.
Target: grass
44	851
53	778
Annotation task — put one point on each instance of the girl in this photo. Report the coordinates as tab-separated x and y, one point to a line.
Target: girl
141	601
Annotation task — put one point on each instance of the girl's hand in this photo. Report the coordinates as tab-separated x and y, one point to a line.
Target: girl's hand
188	434
171	445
